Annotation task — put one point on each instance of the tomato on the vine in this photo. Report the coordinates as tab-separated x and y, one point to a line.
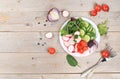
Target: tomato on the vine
93	13
105	7
98	7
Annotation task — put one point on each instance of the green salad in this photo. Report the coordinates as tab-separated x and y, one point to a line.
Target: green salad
87	32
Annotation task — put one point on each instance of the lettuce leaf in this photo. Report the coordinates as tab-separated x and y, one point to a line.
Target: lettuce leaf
102	27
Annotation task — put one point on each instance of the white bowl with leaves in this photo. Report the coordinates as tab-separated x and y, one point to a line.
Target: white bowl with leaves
79	36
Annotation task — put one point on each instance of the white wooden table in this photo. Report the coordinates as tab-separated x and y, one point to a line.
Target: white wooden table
22	26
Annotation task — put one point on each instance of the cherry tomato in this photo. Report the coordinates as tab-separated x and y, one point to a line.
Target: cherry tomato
51	50
105	53
81	51
105	7
97	7
82	46
93	13
85	48
83	43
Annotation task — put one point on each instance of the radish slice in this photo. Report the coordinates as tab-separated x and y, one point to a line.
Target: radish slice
49	35
75	48
71	41
71	48
53	15
69	36
65	38
65	13
66	44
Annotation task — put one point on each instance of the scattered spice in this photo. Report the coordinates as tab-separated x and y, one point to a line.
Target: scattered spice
46	20
38	22
40	38
44	24
42	44
38	43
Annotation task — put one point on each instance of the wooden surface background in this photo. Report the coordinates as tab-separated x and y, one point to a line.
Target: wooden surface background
22	26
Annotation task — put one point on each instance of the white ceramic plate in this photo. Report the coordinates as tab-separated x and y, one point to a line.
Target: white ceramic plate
86	53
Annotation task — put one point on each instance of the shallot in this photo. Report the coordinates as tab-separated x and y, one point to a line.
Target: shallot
53	15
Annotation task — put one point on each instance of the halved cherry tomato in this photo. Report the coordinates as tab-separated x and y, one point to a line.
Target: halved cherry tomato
97	7
51	50
105	53
81	51
85	48
83	43
105	7
82	46
93	13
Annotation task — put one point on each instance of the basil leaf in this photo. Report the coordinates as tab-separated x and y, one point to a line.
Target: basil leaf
71	60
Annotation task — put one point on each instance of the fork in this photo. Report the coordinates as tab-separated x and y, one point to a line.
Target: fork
90	69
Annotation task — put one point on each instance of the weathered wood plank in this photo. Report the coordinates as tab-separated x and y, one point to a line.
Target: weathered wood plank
28	41
76	76
41	63
36	21
41	5
59	76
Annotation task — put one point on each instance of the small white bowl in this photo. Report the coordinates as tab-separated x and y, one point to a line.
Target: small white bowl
86	53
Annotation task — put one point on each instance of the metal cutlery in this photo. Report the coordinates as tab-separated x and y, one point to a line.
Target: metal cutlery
90	69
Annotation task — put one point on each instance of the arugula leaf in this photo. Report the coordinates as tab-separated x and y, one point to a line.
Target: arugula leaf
71	60
69	28
103	29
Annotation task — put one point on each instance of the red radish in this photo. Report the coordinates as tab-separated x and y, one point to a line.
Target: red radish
53	15
66	44
71	48
75	47
105	7
69	36
71	41
65	38
93	13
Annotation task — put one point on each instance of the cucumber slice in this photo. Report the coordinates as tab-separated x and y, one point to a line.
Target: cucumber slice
86	38
84	28
92	35
84	24
88	28
92	38
82	32
94	31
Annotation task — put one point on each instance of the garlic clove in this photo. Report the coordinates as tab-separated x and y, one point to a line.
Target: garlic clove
65	13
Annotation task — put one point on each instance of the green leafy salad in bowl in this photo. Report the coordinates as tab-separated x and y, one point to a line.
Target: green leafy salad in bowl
79	36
